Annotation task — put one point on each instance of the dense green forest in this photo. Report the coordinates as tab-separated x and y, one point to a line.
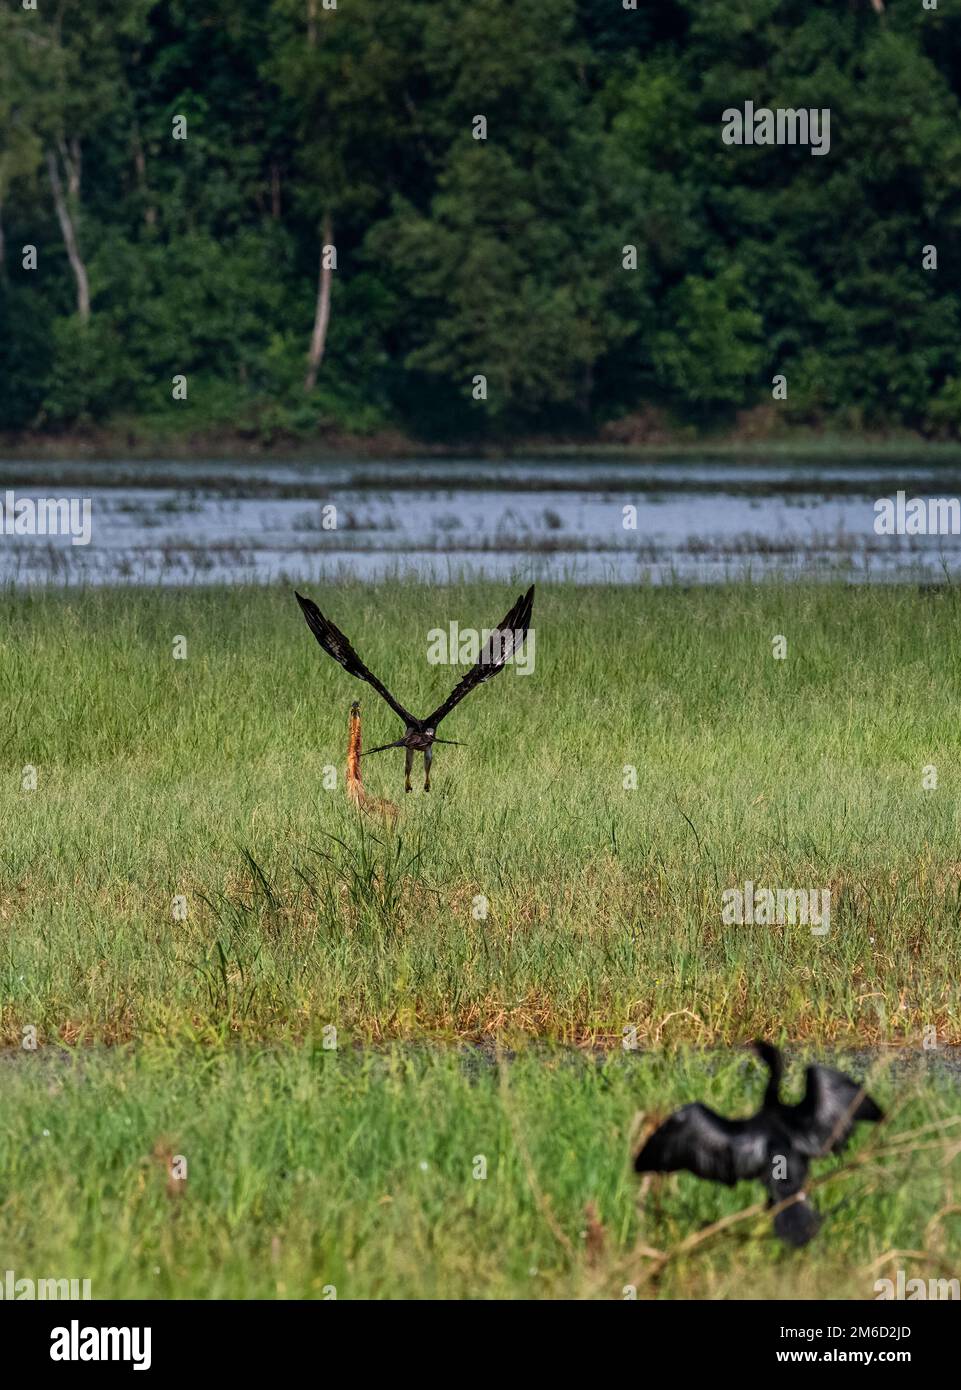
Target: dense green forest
171	172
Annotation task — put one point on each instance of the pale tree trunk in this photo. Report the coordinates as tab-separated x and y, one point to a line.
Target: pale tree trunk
62	202
140	165
318	339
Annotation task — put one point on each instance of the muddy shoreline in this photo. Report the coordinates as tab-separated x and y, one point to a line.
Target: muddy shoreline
136	444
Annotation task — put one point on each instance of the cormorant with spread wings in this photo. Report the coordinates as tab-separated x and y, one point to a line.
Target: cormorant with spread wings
775	1146
420	735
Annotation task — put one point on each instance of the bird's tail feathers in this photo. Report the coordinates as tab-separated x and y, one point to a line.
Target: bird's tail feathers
398	743
797	1223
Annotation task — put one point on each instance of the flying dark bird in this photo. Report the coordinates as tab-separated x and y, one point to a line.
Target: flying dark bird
776	1145
420	735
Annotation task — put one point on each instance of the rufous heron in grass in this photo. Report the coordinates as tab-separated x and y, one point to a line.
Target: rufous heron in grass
420	735
356	791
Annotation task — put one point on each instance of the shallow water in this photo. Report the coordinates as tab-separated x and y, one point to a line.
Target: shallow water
213	522
902	1067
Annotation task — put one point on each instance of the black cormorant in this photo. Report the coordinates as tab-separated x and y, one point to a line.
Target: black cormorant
775	1146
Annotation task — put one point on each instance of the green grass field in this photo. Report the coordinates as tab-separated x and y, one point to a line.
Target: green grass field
203	779
307	1170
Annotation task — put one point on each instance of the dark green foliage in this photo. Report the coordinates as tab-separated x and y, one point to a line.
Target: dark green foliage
459	257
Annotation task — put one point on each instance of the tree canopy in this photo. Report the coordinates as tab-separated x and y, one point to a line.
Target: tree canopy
532	195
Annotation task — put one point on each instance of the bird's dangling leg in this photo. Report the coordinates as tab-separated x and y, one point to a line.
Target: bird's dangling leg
408	765
428	758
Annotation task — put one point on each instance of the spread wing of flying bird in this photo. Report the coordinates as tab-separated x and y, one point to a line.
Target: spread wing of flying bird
702	1142
335	644
420	735
500	646
823	1120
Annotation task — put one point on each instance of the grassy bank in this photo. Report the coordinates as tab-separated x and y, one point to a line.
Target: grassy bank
135	441
418	1174
203	779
